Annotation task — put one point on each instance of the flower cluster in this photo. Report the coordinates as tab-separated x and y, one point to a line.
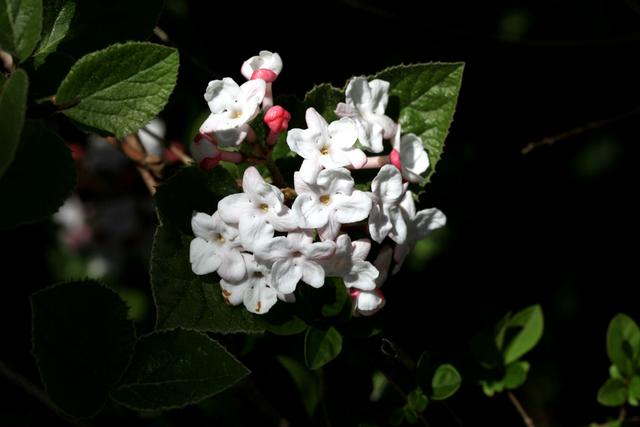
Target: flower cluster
261	243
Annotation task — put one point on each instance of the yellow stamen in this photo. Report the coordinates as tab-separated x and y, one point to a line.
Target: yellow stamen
325	199
264	207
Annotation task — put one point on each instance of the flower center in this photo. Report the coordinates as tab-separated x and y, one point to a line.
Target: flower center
236	114
324	150
325	199
264	207
258	274
220	238
296	254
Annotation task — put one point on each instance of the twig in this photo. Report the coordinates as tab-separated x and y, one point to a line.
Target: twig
550	140
148	179
523	413
133	149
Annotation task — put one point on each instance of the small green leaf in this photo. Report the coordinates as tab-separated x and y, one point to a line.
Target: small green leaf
612	393
20	25
93	27
56	20
426	96
417	400
121	88
634	390
186	300
172	369
614	372
324	98
623	344
516	374
13	105
82	341
446	381
321	346
283	320
307	383
410	415
523	331
39	179
339	301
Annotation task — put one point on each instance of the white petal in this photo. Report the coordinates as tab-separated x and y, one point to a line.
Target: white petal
309	170
387	185
399	255
316	122
356	157
358	92
234	206
232	268
346	110
253	92
379	224
285	275
202	225
342	133
203	257
360	249
408	206
266	252
330	230
313	274
149	134
309	211
379	95
428	220
233	293
362	276
370	135
384	125
399	229
319	250
220	94
260	297
367	303
352	208
336	181
300	239
255	231
202	149
231	137
286	220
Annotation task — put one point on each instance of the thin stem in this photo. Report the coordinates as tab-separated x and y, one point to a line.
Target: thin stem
598	124
148	179
623	413
523	413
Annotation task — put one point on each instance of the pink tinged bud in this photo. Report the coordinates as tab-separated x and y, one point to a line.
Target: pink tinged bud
264	74
353	292
394	157
277	119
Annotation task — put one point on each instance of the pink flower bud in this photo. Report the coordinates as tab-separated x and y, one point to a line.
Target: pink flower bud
394	157
264	74
277	118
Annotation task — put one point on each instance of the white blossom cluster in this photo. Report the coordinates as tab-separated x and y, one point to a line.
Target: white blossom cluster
261	247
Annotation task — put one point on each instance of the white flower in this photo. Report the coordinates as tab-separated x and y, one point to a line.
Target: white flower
366	104
293	258
205	152
255	290
414	160
330	145
151	136
232	108
367	303
388	193
258	211
216	247
349	263
329	202
419	226
264	61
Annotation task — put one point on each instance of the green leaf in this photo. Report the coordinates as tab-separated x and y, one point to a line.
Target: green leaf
339	302
171	369
523	331
623	344
516	374
56	20
184	299
324	98
20	25
634	390
82	341
121	88
417	400
446	381
98	24
283	320
39	179
191	189
321	346
612	393
307	382
13	105
426	97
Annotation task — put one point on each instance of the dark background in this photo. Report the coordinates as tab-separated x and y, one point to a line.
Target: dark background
556	227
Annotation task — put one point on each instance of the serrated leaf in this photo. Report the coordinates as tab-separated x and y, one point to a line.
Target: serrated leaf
20	25
425	96
446	381
321	346
57	16
92	27
324	98
516	374
171	369
13	105
307	382
186	300
121	88
39	179
523	331
82	341
623	344
612	393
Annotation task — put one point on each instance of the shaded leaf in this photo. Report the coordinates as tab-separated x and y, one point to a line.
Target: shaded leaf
171	369
121	88
13	105
324	98
417	400
321	346
20	25
57	16
523	331
307	383
446	381
623	344
516	374
39	179
612	393
82	341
